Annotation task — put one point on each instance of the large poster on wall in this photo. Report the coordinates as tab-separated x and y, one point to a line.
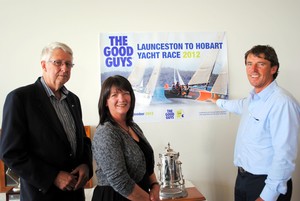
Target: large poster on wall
173	74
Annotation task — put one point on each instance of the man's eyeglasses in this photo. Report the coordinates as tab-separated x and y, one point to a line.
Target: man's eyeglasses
59	63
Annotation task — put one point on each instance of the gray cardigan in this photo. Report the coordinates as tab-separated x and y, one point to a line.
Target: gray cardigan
120	161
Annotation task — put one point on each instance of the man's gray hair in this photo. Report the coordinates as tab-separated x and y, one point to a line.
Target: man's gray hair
47	51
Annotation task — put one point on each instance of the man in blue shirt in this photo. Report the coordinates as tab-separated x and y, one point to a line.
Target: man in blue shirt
267	138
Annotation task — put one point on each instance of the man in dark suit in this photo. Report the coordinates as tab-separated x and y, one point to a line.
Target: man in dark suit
43	138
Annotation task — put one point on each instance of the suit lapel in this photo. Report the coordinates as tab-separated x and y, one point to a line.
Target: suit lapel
46	108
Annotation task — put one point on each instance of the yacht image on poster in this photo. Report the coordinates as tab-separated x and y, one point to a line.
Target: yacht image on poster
208	80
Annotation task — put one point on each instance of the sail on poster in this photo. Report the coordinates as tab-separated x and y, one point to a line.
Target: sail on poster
173	75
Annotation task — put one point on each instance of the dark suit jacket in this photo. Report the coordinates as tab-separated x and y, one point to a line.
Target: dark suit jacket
34	144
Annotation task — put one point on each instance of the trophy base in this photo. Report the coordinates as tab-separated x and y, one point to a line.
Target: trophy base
16	189
172	193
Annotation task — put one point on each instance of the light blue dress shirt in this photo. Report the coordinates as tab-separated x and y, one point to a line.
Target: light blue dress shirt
267	137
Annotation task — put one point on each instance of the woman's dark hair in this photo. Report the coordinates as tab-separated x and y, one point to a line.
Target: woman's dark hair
269	54
121	83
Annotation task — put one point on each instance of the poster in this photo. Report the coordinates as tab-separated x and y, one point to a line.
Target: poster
173	74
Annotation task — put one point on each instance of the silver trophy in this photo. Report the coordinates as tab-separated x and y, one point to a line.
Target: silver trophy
170	175
15	178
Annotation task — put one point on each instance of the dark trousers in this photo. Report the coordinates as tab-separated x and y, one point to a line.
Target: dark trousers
248	187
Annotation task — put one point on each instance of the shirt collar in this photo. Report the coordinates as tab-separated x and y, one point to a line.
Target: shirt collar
50	93
265	93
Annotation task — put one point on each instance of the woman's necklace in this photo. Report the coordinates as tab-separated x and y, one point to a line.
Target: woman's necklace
126	130
130	133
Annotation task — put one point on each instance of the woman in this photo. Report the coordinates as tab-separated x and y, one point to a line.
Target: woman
124	157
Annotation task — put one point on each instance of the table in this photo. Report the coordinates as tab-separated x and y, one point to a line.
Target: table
193	195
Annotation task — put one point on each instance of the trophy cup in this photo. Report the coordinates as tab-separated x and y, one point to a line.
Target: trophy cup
170	175
15	178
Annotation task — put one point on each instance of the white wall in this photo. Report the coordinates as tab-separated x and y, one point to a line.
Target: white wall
206	146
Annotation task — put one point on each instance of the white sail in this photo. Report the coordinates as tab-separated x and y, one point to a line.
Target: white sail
136	76
180	78
150	88
221	69
142	84
144	97
220	85
202	75
175	80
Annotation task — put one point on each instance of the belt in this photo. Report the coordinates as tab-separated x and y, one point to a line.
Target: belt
242	171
